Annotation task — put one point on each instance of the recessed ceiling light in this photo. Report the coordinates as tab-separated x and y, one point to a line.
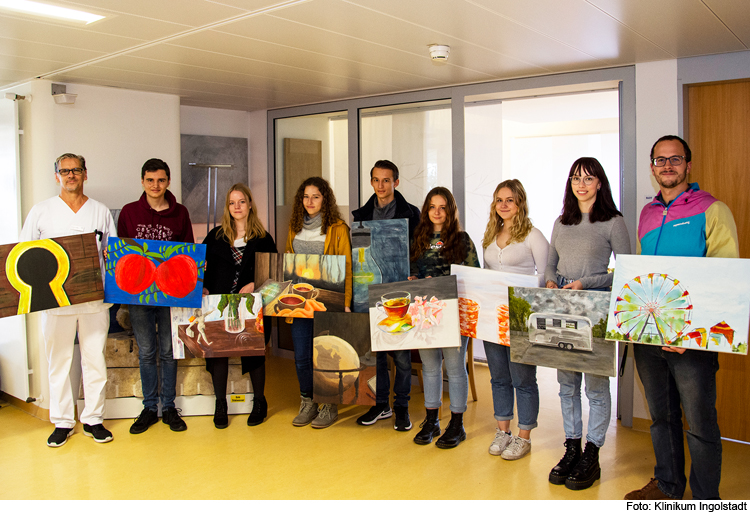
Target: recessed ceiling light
36	8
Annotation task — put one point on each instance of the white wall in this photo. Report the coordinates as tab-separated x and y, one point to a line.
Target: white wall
116	131
656	115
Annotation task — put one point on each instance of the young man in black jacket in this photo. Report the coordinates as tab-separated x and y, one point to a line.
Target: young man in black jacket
387	203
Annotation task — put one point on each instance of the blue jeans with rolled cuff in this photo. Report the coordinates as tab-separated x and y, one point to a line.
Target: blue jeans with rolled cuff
512	381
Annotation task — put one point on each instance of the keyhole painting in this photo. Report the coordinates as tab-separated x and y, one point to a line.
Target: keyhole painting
311	283
224	326
414	314
49	273
686	302
380	254
561	329
154	272
483	308
343	362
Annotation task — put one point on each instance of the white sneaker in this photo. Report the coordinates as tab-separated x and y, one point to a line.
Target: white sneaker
517	448
501	441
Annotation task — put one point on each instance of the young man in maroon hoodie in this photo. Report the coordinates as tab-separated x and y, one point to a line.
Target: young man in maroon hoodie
155	216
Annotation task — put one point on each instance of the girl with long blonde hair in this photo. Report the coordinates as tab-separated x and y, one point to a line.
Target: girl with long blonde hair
512	244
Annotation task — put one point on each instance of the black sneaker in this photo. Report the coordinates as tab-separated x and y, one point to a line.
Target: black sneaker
146	419
403	423
59	436
376	412
98	433
172	418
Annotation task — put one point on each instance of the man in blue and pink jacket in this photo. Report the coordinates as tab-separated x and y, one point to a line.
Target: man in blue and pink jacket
682	221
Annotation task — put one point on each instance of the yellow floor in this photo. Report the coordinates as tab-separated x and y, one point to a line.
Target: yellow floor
278	461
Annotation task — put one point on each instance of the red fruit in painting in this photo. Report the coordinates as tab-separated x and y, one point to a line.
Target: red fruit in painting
177	276
134	273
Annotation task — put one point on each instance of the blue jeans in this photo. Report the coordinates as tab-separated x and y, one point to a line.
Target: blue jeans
302	337
145	320
458	377
600	405
401	383
507	377
668	380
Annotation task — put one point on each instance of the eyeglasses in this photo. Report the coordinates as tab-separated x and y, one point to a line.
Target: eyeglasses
674	161
64	172
587	180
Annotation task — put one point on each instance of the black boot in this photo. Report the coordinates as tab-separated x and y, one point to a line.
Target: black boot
454	433
587	471
221	420
430	428
259	412
560	472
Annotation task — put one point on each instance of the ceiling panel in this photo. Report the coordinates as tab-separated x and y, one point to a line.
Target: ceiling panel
419	23
158	72
269	70
192	13
294	38
53	52
580	26
735	14
250	54
683	28
63	35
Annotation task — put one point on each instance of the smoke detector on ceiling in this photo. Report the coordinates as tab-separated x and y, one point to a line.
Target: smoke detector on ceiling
439	52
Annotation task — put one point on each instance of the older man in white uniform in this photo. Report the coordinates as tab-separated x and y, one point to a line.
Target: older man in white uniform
73	213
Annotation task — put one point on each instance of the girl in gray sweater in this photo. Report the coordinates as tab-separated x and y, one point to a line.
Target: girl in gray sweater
589	230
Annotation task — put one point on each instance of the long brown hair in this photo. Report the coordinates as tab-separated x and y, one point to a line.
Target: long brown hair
521	224
329	211
454	248
253	227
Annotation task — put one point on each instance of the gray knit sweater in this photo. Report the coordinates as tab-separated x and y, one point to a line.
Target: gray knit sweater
581	252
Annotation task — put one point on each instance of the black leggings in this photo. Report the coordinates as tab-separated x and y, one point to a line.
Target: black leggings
219	370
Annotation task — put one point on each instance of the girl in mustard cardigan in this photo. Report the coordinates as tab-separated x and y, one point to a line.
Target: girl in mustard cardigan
316	227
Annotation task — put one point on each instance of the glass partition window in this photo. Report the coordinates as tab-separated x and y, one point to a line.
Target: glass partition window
306	146
536	140
417	138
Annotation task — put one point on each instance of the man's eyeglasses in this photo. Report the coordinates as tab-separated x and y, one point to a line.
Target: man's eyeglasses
674	161
587	180
64	172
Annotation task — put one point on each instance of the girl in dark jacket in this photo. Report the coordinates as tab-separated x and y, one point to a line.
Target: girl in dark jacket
230	268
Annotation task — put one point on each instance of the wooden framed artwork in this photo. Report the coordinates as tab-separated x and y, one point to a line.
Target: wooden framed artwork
49	273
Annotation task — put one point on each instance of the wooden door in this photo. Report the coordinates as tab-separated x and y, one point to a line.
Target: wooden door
718	131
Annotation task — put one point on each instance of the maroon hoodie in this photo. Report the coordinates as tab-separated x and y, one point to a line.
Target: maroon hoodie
139	220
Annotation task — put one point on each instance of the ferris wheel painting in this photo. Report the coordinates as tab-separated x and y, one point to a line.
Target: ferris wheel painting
653	308
685	302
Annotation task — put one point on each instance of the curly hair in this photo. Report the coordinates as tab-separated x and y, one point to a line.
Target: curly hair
604	207
253	227
454	247
521	226
329	210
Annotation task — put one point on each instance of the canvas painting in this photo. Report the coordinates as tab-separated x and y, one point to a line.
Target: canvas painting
224	326
343	362
380	254
687	302
49	273
414	314
561	329
483	301
154	272
311	283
